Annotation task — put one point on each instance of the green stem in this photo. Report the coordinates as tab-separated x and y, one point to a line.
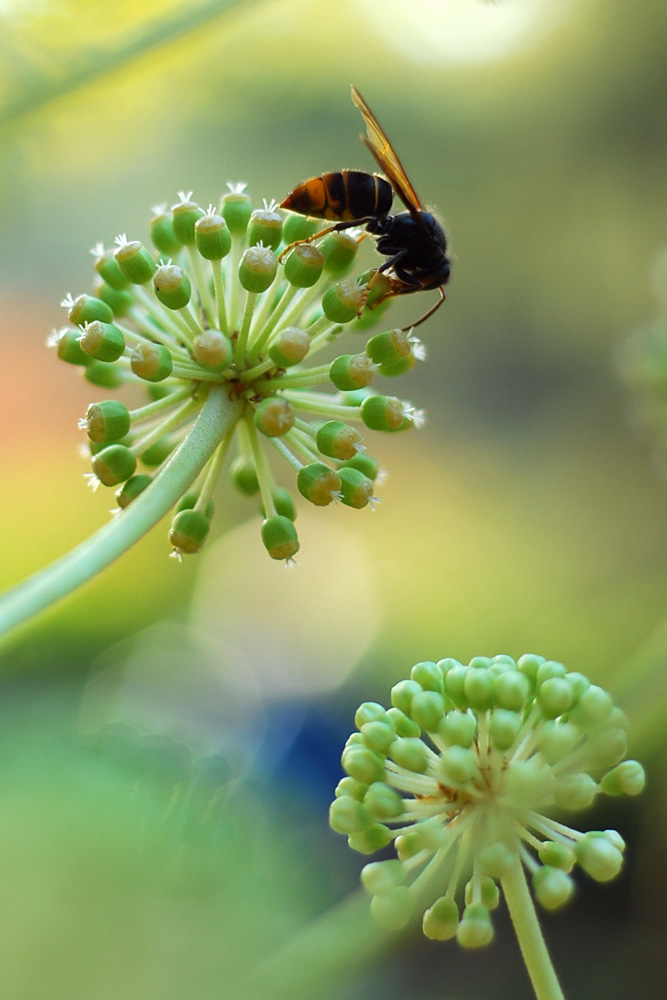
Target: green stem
529	935
218	415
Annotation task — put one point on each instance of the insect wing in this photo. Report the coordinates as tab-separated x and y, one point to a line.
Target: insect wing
383	151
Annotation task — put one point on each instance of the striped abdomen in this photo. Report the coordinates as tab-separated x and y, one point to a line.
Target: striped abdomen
342	196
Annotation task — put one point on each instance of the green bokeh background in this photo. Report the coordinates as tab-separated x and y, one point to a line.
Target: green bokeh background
527	515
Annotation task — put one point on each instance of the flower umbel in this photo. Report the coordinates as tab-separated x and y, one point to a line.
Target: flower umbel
211	311
463	772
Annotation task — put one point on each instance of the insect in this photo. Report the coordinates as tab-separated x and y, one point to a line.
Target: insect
414	241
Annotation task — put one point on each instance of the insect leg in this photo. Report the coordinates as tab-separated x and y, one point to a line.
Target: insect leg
383	267
338	227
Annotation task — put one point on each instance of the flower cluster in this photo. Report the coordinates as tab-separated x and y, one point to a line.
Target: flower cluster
506	742
212	309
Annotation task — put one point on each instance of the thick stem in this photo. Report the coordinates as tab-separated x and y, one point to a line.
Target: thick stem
218	415
529	935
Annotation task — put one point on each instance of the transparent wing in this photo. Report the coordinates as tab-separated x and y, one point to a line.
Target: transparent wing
389	163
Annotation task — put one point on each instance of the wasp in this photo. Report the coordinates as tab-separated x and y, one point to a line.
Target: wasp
414	241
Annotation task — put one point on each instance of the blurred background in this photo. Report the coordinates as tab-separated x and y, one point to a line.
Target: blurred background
171	735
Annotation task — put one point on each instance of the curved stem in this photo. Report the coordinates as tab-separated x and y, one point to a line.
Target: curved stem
218	415
529	935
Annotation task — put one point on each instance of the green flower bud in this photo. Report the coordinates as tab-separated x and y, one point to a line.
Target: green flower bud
403	693
212	237
457	764
120	301
380	877
172	286
107	421
607	747
338	440
102	341
458	728
593	707
383	802
390	347
409	753
340	251
511	690
352	371
475	929
403	725
598	856
299	227
343	301
213	350
455	679
480	663
236	211
104	375
556	740
130	490
627	778
363	764
400	368
529	664
576	791
274	416
135	262
257	269
381	287
556	855
318	483
68	347
280	538
428	675
266	227
162	234
364	463
244	476
504	727
114	464
428	710
383	413
553	888
87	309
370	841
478	688
185	214
151	362
355	489
495	859
346	815
369	711
188	531
304	266
529	780
548	669
290	347
107	267
378	735
394	908
441	920
554	696
349	786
